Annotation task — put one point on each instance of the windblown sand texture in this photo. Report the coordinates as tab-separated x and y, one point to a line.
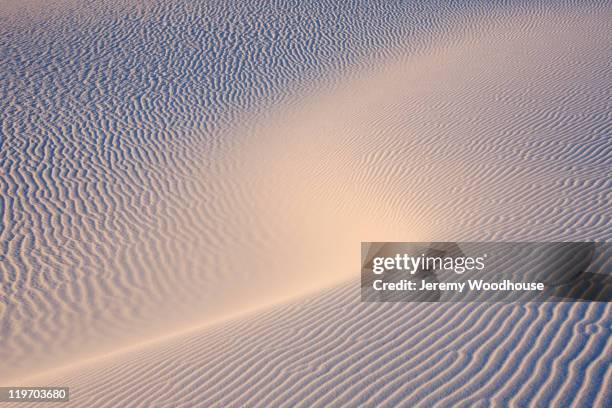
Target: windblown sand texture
185	186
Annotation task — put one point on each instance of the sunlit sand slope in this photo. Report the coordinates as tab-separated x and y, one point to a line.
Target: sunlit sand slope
119	198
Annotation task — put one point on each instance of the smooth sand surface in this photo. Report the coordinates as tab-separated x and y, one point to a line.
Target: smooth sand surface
185	186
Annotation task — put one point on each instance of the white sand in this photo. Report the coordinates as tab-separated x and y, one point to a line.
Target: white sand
168	168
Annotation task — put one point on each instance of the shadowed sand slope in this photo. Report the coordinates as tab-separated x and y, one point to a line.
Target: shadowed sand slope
333	350
168	165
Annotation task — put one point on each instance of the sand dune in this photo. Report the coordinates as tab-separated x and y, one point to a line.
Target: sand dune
332	350
169	165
